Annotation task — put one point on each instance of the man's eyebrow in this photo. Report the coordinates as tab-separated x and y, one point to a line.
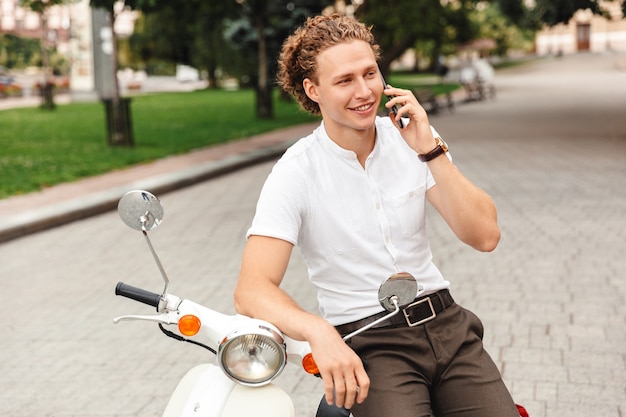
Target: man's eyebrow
351	73
343	75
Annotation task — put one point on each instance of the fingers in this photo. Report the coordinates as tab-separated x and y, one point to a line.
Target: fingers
396	120
341	369
404	100
343	392
329	390
363	385
403	103
344	389
398	97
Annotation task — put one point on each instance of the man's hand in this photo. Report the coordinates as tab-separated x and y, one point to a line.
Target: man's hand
417	134
341	369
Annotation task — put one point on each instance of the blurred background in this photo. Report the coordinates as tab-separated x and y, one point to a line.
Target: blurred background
234	43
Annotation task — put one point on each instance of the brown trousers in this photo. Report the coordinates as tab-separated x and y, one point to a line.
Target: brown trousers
439	367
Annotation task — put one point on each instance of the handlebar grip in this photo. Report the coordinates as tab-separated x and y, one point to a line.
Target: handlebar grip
137	294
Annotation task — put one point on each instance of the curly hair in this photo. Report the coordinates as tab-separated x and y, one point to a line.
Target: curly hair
298	57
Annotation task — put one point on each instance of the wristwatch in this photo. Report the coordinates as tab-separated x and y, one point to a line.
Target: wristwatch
440	149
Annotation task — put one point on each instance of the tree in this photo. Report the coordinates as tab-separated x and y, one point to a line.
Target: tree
261	29
400	24
41	7
513	9
211	51
553	12
119	135
199	42
16	52
493	24
549	12
157	44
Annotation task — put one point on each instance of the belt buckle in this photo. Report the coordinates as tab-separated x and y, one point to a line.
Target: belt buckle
417	323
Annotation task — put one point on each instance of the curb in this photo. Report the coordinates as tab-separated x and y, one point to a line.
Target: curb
38	220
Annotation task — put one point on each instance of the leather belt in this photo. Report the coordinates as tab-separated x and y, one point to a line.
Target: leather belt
421	310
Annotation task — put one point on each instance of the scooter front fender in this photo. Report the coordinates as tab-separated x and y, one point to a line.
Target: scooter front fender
205	391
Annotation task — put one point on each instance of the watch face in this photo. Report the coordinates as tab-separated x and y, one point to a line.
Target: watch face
443	144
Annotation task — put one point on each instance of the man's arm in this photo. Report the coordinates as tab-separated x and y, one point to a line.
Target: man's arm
468	210
258	295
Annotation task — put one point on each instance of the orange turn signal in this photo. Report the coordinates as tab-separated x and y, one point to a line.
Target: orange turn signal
309	365
189	325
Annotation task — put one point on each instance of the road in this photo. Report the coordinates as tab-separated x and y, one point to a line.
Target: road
551	150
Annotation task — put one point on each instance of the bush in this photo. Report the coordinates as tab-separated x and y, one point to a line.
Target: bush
10	90
16	52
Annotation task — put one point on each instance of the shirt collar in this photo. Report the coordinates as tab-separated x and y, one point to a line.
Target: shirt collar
332	146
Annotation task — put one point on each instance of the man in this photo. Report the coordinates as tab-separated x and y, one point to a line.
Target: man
352	197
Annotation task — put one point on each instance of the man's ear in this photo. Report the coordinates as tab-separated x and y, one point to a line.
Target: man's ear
310	89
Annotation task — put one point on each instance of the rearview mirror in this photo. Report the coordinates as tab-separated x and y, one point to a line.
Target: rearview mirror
401	286
140	210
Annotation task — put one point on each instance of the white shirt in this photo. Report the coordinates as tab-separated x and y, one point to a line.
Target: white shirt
354	226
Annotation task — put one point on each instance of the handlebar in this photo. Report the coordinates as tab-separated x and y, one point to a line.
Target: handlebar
137	294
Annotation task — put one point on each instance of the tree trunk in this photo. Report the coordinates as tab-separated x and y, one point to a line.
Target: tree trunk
47	87
121	133
264	105
396	52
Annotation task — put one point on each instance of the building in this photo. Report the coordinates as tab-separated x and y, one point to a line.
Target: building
60	21
586	32
76	31
27	24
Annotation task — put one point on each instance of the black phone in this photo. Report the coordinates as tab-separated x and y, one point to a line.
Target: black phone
393	108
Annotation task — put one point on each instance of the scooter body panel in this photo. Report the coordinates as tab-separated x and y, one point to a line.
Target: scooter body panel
266	401
205	391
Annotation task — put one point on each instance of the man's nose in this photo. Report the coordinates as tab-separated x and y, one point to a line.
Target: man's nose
362	88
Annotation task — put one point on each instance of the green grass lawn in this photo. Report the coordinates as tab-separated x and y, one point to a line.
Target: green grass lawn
41	148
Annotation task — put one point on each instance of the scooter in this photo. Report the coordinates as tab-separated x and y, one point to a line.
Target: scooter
251	353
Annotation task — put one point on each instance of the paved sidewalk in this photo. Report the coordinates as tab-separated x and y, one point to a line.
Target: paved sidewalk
550	150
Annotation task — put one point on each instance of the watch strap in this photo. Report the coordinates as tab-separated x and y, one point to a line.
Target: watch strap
440	149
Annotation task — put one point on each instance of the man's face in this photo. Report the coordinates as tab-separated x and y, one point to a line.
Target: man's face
349	88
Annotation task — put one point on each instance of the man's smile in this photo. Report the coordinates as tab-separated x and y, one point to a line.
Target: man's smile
363	107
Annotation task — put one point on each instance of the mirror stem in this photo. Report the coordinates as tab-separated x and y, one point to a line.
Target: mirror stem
394	300
158	262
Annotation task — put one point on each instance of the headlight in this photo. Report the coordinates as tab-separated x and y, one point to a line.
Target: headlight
253	355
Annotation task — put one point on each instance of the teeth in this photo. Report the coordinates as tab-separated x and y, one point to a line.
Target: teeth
362	108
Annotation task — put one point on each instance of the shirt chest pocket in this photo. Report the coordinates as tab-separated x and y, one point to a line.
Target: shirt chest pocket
407	211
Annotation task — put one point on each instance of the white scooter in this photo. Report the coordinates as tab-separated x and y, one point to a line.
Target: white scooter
250	353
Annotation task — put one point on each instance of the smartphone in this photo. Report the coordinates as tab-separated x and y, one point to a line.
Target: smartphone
394	108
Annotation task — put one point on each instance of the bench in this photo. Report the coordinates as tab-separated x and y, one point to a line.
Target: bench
479	90
431	102
477	80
